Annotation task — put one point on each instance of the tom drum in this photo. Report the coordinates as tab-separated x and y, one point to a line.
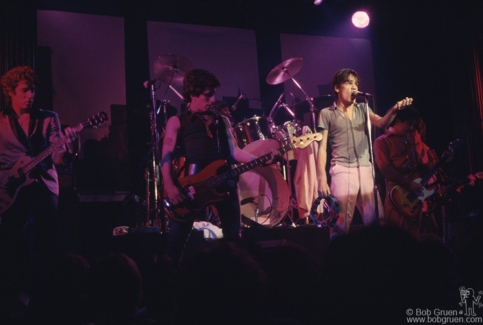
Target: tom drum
253	129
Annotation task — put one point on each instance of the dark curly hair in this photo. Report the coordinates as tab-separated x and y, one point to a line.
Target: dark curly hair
11	79
421	128
196	81
341	76
409	113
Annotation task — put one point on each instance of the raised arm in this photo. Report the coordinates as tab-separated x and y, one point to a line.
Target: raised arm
169	142
235	151
383	122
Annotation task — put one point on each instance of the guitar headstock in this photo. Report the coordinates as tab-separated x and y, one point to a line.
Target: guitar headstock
304	140
96	120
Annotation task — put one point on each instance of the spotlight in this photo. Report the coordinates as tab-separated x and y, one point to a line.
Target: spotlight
317	2
360	19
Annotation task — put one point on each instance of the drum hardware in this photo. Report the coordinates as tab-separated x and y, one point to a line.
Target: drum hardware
169	69
264	195
279	103
253	129
286	70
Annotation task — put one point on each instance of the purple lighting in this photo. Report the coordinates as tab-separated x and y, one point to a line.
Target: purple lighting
360	19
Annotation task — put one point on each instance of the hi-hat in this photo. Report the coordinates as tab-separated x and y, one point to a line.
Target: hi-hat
171	68
284	71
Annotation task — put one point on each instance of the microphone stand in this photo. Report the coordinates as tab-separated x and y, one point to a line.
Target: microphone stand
371	154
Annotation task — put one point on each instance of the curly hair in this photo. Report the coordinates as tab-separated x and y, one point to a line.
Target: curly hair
197	81
421	128
409	113
341	76
13	76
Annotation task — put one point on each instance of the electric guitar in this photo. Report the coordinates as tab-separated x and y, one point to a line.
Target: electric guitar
409	203
201	188
18	175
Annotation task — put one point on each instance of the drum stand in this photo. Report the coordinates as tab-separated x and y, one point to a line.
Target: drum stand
292	200
288	174
154	220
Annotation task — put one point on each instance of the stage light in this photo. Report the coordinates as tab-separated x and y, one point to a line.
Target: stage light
317	2
360	19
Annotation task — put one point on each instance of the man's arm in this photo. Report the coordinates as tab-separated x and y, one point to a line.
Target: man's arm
383	122
323	186
238	154
65	154
169	142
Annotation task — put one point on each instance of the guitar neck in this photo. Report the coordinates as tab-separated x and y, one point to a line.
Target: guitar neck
459	183
47	152
222	178
432	171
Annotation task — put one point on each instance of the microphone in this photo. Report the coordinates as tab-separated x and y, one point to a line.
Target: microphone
148	83
279	100
360	94
235	104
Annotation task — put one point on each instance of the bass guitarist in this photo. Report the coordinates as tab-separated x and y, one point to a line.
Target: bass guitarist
25	131
203	138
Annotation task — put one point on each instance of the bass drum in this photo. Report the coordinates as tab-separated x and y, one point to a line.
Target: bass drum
264	194
253	129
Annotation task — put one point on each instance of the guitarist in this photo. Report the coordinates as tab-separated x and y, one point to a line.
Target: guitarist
26	131
396	159
204	138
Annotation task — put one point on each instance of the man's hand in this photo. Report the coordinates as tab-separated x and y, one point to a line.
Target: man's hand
72	140
175	195
324	189
275	155
416	187
402	103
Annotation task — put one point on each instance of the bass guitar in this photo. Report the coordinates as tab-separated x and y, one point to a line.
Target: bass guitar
201	188
18	176
408	203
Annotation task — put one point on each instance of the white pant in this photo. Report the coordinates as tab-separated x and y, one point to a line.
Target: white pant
353	187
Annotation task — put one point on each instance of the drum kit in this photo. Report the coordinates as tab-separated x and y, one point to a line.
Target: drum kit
265	192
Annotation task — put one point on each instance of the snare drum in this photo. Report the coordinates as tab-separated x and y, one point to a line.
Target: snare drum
253	129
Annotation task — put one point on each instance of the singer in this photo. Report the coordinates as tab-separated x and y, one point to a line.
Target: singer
343	125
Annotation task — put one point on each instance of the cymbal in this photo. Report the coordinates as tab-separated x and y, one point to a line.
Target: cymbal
171	68
284	71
